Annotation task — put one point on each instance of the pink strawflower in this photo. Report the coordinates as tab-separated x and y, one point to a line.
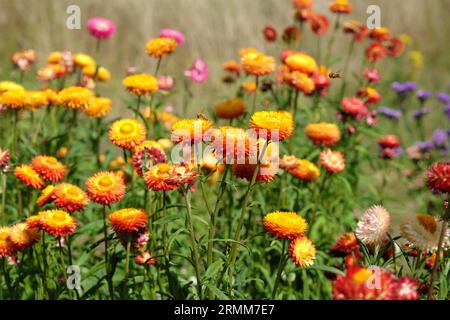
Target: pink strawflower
407	289
373	75
101	28
373	226
174	34
165	83
198	71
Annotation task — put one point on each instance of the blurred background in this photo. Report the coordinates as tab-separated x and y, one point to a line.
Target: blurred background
215	30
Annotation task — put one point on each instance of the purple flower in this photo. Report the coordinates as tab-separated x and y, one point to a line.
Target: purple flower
403	88
389	112
443	97
421	112
198	72
425	146
423	95
439	137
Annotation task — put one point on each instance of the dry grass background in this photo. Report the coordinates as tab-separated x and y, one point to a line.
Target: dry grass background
215	30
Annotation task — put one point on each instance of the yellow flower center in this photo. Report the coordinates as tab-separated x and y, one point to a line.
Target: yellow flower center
362	275
3	236
164	168
127	128
59	216
72	191
105	181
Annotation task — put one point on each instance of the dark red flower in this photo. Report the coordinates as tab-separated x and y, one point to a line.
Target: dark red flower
395	47
270	34
319	24
376	52
438	177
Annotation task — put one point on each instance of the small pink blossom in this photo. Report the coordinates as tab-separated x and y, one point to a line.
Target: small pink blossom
174	34
101	28
373	75
198	71
165	83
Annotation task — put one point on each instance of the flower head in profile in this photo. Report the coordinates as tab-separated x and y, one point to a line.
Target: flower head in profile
301	62
7	247
285	225
29	176
389	141
128	220
319	24
127	133
69	197
323	133
302	252
57	223
372	75
173	34
376	52
165	83
333	161
345	244
46	196
257	63
273	122
23	236
98	107
145	259
4	160
230	109
373	226
341	7
101	28
164	176
49	168
266	172
198	72
14	99
270	34
105	188
301	81
159	47
11	85
191	130
98	74
83	60
438	177
354	107
423	231
75	97
370	94
141	84
36	99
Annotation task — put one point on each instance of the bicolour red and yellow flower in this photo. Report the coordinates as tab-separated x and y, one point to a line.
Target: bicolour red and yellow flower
323	133
141	84
345	244
46	196
305	170
160	47
22	236
29	176
7	248
230	109
166	177
127	133
301	82
76	98
333	161
58	223
49	168
341	7
231	144
273	123
69	197
390	141
285	225
146	155
105	188
302	252
128	220
190	130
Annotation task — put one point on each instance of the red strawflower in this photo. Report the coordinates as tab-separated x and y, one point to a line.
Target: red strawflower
438	177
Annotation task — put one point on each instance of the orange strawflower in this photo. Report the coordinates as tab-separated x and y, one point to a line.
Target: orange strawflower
14	99
29	176
190	129
301	62
305	171
301	82
232	66
164	176
285	225
127	133
7	248
160	47
257	63
57	222
266	172
141	84
341	6
105	188
75	97
302	252
249	87
49	168
333	161
128	220
271	123
323	133
69	197
98	107
22	236
36	99
230	109
230	143
46	196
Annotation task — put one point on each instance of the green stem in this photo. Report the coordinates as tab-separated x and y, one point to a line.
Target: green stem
438	256
69	255
346	67
3	203
127	268
254	96
107	269
15	154
281	265
44	262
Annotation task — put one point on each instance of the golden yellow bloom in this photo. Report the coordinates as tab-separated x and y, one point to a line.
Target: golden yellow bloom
36	99
323	133
7	247
62	152
29	176
416	58
128	220
10	85
230	109
98	107
159	47
75	97
52	96
57	222
46	196
305	170
302	252
14	99
105	188
257	63
285	225
278	122
103	74
301	82
301	62
83	60
127	133
69	197
190	129
54	57
141	84
341	6
49	168
23	236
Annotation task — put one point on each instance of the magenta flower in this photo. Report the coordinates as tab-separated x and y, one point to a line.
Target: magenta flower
198	72
101	28
174	34
165	83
